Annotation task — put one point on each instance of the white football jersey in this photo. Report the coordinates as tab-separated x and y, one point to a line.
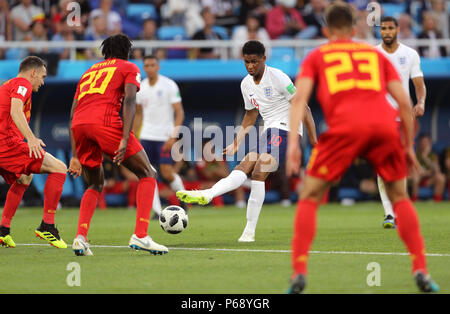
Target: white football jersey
158	114
271	97
407	63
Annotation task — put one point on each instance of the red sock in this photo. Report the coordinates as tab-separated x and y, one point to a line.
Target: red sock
87	208
414	198
409	231
132	190
437	198
52	193
102	200
304	231
13	198
144	200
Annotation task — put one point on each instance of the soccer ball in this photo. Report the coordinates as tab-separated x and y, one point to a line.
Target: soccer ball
173	219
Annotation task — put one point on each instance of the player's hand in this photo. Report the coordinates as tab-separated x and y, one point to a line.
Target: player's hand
35	145
119	154
293	159
413	164
168	144
75	168
231	149
419	110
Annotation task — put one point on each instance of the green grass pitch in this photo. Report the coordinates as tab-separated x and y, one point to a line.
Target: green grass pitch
206	258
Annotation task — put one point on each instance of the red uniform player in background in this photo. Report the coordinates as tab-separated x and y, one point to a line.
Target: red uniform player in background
352	81
19	159
96	128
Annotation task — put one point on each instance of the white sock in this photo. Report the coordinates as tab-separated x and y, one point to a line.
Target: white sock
157	202
384	198
230	183
177	183
254	204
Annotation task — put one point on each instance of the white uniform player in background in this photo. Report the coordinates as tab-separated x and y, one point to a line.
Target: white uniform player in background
159	114
407	62
266	91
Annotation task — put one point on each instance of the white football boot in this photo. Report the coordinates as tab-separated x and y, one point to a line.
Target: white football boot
81	247
147	244
247	236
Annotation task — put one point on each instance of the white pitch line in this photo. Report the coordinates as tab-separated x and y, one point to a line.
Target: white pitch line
259	251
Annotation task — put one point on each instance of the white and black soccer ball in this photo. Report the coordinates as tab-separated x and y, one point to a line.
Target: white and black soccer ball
173	219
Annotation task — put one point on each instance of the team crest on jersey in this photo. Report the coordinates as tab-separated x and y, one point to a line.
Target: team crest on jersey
268	91
402	60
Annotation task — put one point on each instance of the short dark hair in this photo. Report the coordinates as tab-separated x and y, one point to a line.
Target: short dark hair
150	57
31	62
389	19
340	15
116	46
253	47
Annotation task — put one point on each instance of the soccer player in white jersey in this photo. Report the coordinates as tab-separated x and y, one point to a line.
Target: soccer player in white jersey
266	91
407	62
159	114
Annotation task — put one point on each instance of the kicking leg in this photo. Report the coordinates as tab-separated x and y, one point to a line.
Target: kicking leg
225	185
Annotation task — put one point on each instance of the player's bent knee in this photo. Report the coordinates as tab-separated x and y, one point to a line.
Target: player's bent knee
24	179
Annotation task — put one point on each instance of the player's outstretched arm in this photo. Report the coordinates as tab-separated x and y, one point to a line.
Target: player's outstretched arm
421	94
129	110
304	87
249	120
75	168
35	144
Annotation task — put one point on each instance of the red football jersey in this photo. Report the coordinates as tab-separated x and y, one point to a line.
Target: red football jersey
351	79
100	92
14	88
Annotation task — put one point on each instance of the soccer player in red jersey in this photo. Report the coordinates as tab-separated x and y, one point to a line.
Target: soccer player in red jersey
352	80
19	159
96	128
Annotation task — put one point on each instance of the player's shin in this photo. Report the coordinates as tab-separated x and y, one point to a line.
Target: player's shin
234	180
13	199
177	183
409	231
87	208
254	205
388	211
144	199
304	232
52	194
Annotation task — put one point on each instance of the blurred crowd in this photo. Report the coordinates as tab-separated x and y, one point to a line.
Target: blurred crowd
239	20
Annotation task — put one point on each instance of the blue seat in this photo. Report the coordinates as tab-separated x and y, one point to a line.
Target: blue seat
426	193
351	193
222	31
393	9
138	12
171	33
116	199
15	53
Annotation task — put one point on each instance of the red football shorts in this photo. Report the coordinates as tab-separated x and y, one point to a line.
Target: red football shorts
92	140
337	149
17	161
